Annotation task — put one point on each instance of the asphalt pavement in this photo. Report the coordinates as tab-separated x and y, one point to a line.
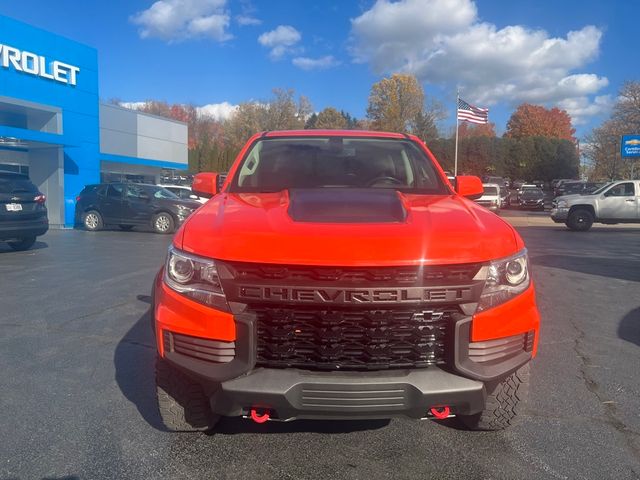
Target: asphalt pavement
77	392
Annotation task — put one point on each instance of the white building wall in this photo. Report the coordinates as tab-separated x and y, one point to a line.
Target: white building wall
134	134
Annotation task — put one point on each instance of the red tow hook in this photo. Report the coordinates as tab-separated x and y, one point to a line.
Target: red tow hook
256	417
440	413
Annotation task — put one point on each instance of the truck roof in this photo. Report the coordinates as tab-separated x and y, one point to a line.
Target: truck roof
333	133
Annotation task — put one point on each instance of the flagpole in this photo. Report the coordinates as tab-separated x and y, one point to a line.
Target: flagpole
455	158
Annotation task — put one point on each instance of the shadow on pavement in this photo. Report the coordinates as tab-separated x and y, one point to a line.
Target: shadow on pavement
134	359
629	327
234	426
620	268
5	248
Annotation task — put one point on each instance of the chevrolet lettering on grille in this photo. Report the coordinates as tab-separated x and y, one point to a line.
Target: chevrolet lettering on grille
327	295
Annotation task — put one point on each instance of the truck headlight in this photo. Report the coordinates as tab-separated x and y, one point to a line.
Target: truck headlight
562	204
506	278
194	277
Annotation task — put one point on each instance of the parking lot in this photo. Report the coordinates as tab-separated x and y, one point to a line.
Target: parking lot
76	350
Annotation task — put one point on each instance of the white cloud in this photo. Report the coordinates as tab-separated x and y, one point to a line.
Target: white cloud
132	105
174	20
247	20
322	63
581	108
443	42
218	111
281	41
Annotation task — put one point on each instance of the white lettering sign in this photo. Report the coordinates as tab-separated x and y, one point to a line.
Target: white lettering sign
27	62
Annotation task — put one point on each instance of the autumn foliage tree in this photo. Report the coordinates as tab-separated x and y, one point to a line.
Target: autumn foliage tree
397	104
602	145
469	130
330	119
536	121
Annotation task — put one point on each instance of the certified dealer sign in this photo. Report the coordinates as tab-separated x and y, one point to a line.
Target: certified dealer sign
27	62
630	146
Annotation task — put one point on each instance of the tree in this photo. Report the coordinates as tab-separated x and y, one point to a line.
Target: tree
602	145
536	121
395	103
331	119
468	130
281	112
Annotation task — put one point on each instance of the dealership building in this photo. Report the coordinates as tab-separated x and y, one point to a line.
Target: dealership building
54	127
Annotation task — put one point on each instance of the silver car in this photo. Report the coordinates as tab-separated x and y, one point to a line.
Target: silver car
616	202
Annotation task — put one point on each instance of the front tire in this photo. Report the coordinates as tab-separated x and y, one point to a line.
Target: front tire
182	403
24	243
580	220
163	223
504	403
92	221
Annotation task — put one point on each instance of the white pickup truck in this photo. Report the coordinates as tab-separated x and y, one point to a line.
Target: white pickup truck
616	202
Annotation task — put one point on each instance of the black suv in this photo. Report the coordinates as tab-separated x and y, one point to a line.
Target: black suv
131	204
23	215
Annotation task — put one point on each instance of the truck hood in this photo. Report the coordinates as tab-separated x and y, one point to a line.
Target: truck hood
318	228
576	196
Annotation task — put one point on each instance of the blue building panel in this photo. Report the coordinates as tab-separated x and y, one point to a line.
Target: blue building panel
78	103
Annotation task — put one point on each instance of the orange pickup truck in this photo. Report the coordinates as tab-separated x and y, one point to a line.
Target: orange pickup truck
340	275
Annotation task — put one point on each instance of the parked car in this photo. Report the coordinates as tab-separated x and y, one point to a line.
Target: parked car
487	179
577	188
184	192
131	204
531	198
491	197
23	214
370	289
514	198
557	189
616	202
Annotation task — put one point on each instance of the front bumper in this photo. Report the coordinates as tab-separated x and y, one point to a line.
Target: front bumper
559	215
301	394
236	385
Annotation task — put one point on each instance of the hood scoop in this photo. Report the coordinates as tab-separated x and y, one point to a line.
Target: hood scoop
346	205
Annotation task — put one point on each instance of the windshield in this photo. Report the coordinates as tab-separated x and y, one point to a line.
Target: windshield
275	164
601	189
490	191
531	193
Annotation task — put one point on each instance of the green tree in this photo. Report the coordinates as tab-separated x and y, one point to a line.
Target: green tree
395	102
331	119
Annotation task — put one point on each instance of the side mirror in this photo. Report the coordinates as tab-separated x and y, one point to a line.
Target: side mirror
205	184
193	197
143	196
469	186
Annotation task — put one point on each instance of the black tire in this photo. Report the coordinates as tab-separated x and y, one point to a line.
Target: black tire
182	403
163	222
24	243
126	228
505	403
92	221
580	220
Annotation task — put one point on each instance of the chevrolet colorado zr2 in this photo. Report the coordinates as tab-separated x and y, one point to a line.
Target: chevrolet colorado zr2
340	275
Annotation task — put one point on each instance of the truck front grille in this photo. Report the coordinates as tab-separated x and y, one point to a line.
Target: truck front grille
352	339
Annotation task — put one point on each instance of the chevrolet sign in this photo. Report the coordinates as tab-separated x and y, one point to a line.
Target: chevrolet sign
32	64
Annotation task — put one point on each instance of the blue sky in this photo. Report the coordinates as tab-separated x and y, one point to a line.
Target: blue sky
574	54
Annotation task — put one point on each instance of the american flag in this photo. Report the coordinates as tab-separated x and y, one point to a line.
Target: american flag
472	114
